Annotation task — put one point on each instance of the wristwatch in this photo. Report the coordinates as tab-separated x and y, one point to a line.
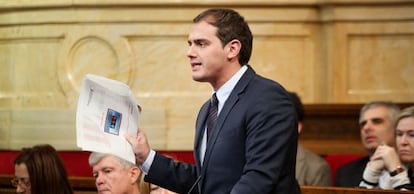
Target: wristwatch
397	171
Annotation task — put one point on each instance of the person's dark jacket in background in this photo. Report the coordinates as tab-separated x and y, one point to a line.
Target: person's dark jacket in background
350	175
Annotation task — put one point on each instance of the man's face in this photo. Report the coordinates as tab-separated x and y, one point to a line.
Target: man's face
21	179
206	53
110	177
376	128
405	139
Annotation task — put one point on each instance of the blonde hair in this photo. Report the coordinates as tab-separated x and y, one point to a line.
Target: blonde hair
144	187
406	112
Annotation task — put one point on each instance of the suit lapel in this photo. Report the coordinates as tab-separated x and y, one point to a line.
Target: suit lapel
224	113
200	127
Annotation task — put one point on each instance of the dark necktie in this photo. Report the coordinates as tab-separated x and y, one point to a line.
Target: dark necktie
212	115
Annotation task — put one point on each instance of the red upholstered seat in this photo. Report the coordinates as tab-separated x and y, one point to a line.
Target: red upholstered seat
76	162
7	161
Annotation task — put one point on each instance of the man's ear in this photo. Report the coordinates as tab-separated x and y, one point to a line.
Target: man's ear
300	126
233	49
134	174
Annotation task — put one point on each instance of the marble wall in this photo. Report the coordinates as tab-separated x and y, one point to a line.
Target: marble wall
328	51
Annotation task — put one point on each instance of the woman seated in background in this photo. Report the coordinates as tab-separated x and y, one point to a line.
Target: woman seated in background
405	142
39	170
391	168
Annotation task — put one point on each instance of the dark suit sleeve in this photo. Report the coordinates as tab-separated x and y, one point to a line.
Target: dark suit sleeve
172	175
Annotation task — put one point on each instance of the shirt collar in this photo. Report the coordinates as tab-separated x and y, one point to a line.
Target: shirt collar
224	91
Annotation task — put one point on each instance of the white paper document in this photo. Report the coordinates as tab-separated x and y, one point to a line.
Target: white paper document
106	112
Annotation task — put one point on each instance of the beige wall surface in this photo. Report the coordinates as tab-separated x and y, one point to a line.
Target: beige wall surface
332	51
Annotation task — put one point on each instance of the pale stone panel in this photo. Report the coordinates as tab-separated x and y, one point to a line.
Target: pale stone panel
98	15
180	136
368	13
375	62
6	73
5	123
178	125
209	3
162	66
29	66
128	14
386	68
287	54
279	14
153	123
21	128
95	49
29	127
52	3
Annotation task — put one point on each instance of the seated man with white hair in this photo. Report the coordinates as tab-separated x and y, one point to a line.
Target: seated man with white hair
114	174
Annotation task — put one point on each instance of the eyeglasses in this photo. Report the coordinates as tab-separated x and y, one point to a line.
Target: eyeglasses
23	182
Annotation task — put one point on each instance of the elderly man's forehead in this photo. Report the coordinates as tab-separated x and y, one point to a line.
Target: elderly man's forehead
375	113
378	111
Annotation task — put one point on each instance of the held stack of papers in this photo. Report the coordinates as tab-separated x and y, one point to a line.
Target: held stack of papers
106	112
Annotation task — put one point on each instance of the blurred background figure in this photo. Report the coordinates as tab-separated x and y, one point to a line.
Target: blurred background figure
40	170
376	121
391	168
405	141
311	169
114	174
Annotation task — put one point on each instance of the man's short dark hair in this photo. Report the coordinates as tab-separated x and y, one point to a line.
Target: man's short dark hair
230	26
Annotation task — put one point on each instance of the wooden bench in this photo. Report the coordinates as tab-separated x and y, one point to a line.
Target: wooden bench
86	185
343	190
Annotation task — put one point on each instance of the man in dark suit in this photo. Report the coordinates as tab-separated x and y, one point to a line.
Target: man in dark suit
251	148
376	120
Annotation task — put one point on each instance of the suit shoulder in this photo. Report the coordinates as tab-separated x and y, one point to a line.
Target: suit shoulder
355	164
267	81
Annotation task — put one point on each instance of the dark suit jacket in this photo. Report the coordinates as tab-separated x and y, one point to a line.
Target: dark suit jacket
350	175
252	149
